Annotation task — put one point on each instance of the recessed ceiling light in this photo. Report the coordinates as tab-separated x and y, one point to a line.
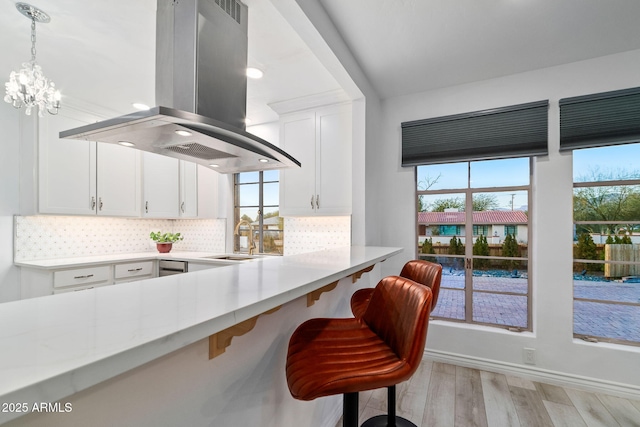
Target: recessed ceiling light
214	165
140	106
254	73
247	121
126	144
263	161
183	133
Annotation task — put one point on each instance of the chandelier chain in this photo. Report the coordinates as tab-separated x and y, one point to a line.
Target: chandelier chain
33	39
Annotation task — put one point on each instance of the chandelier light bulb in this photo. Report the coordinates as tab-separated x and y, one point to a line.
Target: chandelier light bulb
29	87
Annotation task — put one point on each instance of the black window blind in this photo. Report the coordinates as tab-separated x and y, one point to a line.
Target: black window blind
598	120
513	131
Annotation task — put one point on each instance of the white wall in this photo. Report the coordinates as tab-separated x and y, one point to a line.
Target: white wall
559	357
9	199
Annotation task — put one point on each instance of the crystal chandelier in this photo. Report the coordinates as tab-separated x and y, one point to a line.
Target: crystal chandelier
29	87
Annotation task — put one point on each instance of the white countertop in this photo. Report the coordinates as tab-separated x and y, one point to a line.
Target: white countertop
54	346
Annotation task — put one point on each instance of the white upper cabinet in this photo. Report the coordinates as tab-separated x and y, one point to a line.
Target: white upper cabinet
80	177
207	192
188	189
170	187
320	140
118	179
161	179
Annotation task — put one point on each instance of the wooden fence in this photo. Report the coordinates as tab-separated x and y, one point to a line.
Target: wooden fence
620	252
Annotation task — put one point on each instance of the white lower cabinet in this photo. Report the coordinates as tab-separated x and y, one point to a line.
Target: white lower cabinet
40	282
132	271
194	266
81	278
321	140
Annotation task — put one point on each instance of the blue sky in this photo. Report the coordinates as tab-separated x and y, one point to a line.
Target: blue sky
611	161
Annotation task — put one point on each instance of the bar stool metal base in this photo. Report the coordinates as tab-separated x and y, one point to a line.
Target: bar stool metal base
391	419
382	421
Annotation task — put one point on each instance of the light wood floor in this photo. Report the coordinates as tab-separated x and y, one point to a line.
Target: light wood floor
443	395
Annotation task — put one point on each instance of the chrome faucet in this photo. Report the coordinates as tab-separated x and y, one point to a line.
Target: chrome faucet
237	233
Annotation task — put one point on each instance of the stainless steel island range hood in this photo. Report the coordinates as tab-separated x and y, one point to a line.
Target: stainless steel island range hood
201	87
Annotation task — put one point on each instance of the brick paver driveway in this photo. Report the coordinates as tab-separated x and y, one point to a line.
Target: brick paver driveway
590	318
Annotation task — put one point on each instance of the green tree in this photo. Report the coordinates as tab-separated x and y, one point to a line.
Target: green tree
481	247
586	248
606	203
484	202
481	202
510	248
441	205
455	246
427	246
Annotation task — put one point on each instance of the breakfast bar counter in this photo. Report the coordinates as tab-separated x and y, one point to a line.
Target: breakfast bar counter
56	346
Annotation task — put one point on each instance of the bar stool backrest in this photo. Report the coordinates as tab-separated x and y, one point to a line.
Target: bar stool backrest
398	313
427	273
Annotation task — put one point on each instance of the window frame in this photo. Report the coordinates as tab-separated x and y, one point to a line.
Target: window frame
469	256
591	184
260	209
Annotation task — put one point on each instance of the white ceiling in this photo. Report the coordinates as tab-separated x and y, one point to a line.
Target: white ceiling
407	46
103	51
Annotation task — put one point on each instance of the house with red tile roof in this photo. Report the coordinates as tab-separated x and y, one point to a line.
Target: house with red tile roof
495	225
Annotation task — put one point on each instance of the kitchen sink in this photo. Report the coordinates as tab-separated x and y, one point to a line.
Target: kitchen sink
232	257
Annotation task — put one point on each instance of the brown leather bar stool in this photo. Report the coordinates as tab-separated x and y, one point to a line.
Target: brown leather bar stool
424	272
381	348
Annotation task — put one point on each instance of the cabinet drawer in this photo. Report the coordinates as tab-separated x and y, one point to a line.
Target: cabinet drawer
81	276
77	288
133	270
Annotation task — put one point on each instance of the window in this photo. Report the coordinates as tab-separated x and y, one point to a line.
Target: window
256	203
485	276
606	251
480	230
511	229
449	230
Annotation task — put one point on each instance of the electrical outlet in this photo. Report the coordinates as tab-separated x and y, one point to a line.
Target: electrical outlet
529	356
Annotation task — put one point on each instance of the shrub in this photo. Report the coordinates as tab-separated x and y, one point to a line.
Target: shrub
427	246
510	248
481	247
455	246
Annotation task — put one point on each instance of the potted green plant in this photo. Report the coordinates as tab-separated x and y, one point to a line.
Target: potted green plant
165	241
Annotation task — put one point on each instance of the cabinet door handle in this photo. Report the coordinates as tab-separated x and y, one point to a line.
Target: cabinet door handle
317	202
146	206
83	277
312	201
132	270
100	203
93	203
182	207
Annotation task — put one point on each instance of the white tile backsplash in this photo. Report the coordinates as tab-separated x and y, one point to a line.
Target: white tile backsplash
308	234
49	237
